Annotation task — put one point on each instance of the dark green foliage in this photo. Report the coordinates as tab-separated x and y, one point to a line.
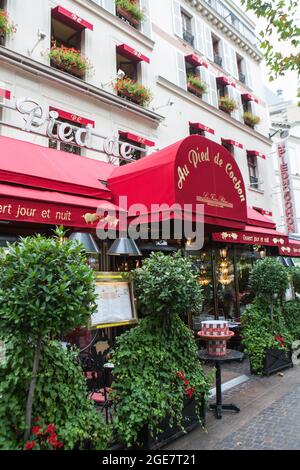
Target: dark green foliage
291	313
45	287
60	397
295	277
269	278
148	357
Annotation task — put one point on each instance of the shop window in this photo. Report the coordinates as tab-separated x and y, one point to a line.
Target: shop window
253	171
226	290
55	144
187	31
135	153
216	42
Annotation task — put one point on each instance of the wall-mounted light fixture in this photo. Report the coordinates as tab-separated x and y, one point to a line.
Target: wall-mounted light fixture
169	103
120	75
41	36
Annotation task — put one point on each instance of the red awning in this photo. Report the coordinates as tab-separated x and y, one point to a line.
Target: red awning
196	61
6	94
32	165
257	219
232	142
201	127
291	248
249	97
71	19
263	211
252	236
226	81
21	204
255	153
186	173
132	54
137	138
73	117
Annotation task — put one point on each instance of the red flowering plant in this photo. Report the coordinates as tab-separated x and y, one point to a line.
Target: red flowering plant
133	90
43	437
6	27
69	59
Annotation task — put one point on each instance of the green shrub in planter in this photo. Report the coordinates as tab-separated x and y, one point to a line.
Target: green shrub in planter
156	363
291	313
295	277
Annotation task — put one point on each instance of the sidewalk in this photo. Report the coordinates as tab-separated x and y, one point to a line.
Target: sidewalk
269	416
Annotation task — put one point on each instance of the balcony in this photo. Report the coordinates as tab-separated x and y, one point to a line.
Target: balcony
188	37
218	60
242	77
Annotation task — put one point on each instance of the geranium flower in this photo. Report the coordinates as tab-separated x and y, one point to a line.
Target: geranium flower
30	445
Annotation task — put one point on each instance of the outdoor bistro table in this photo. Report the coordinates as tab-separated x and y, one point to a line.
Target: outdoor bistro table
231	356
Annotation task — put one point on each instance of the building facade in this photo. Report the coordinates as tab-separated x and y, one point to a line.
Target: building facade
201	63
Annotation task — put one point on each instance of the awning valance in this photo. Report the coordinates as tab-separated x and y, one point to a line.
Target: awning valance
258	220
136	138
73	117
291	248
249	97
255	153
196	61
201	127
21	204
263	211
232	142
132	54
71	19
252	236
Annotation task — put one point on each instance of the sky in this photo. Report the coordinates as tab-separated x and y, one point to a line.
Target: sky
288	83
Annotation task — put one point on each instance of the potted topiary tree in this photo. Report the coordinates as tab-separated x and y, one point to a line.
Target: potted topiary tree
265	334
159	385
46	289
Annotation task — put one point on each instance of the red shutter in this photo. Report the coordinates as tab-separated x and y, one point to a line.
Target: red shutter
73	117
71	19
132	54
137	138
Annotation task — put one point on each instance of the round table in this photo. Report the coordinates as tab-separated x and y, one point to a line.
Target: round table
231	356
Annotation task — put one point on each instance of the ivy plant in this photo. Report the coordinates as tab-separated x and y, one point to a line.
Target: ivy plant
156	363
46	288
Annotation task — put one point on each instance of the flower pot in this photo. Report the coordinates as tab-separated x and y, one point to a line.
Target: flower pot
171	433
277	359
129	96
127	16
195	90
71	70
225	109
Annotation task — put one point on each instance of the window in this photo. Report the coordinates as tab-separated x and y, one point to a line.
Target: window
221	89
216	42
228	147
195	131
135	154
55	144
187	32
240	66
128	66
253	171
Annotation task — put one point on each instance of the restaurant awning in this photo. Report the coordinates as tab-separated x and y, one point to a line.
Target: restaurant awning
132	54
252	236
201	127
291	248
136	138
71	19
194	171
32	165
20	204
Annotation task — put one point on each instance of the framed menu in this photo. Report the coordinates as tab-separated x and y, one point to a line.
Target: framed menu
115	301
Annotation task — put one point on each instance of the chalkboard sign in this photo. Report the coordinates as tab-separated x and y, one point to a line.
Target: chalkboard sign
115	301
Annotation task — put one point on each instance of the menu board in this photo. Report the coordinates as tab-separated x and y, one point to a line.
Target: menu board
115	303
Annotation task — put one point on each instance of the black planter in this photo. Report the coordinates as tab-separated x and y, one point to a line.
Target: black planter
276	360
171	433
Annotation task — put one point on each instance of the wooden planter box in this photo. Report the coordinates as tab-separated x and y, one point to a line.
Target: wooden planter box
223	108
172	433
72	71
276	360
249	124
125	14
196	91
130	97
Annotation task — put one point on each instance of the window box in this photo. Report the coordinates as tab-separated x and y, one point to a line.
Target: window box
227	105
6	27
251	120
133	91
196	86
130	11
69	60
